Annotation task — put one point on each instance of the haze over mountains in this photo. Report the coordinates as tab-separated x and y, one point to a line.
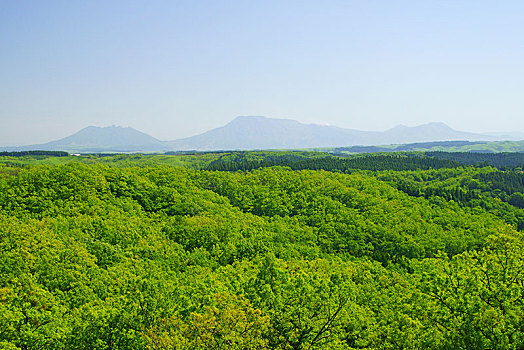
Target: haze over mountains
93	139
246	133
264	133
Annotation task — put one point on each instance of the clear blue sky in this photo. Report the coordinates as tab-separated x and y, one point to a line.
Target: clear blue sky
177	68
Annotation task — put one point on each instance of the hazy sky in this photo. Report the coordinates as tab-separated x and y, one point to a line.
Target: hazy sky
177	68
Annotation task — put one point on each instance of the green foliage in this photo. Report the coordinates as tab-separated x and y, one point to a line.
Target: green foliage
396	161
34	153
355	214
475	300
499	192
502	161
122	255
478	147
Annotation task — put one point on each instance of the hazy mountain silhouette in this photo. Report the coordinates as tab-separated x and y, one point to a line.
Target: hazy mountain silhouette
264	133
251	133
102	139
428	133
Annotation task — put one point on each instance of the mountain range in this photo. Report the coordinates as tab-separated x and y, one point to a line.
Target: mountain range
252	132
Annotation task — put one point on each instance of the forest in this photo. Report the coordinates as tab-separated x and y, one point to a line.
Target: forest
262	250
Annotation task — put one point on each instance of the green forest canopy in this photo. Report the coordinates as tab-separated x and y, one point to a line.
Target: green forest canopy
122	252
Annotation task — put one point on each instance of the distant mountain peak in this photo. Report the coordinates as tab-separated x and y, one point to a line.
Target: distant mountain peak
258	120
439	125
251	132
242	118
258	132
399	127
95	139
109	127
431	124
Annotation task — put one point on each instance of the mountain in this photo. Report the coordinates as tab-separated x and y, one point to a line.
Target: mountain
510	136
245	133
264	133
94	139
429	133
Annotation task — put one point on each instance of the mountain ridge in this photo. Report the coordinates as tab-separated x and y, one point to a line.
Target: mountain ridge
94	139
258	132
251	132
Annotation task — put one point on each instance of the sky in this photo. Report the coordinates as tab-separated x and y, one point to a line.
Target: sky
175	68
